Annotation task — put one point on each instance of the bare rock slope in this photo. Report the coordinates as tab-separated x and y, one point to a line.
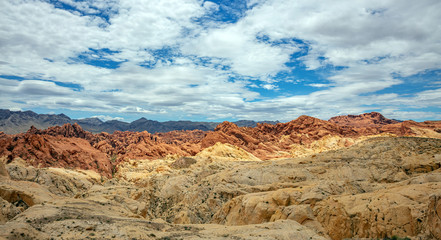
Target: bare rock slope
359	177
372	119
52	203
69	146
381	187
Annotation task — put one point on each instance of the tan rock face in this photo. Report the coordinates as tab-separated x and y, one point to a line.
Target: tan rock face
368	190
434	216
7	211
109	210
226	152
3	172
183	162
259	208
393	212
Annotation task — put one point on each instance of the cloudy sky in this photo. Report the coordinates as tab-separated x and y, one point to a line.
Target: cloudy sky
221	60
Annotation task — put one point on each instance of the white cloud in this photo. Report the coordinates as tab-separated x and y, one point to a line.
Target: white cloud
269	87
35	88
318	85
150	24
395	113
239	47
429	97
108	118
38	30
211	6
374	41
15	109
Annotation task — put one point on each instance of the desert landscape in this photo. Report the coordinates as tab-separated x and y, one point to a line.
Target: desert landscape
353	176
220	119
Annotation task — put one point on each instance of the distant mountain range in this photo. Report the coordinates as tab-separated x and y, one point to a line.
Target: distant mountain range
12	122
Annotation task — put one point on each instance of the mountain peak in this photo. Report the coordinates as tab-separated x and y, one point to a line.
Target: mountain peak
62	115
142	120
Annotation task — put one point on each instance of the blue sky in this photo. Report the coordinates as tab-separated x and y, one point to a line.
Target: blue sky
221	60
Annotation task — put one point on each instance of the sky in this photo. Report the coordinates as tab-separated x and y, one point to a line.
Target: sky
222	59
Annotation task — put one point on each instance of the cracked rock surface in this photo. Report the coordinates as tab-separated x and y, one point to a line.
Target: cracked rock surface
377	188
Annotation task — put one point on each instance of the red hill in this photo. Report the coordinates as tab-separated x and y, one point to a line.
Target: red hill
373	119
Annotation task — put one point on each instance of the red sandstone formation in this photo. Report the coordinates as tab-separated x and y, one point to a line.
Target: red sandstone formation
55	151
67	130
266	139
375	123
140	145
373	119
70	146
181	137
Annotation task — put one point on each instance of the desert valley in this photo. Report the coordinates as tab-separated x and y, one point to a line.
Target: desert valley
355	176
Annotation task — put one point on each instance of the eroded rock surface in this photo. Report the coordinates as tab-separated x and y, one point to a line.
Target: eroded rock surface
378	188
69	146
350	182
107	209
372	119
434	216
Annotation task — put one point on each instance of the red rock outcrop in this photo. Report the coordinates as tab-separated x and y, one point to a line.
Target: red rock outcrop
228	132
410	128
269	141
265	140
71	147
375	123
67	130
55	151
180	137
141	145
373	119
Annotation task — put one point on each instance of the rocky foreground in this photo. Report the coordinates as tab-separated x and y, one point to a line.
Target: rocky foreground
328	181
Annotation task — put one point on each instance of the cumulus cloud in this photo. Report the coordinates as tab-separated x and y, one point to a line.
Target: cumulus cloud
34	88
167	61
241	50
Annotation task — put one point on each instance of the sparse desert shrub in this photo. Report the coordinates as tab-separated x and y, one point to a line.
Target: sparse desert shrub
113	158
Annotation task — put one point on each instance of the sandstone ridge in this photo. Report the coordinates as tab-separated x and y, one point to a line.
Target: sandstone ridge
378	188
372	119
70	146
